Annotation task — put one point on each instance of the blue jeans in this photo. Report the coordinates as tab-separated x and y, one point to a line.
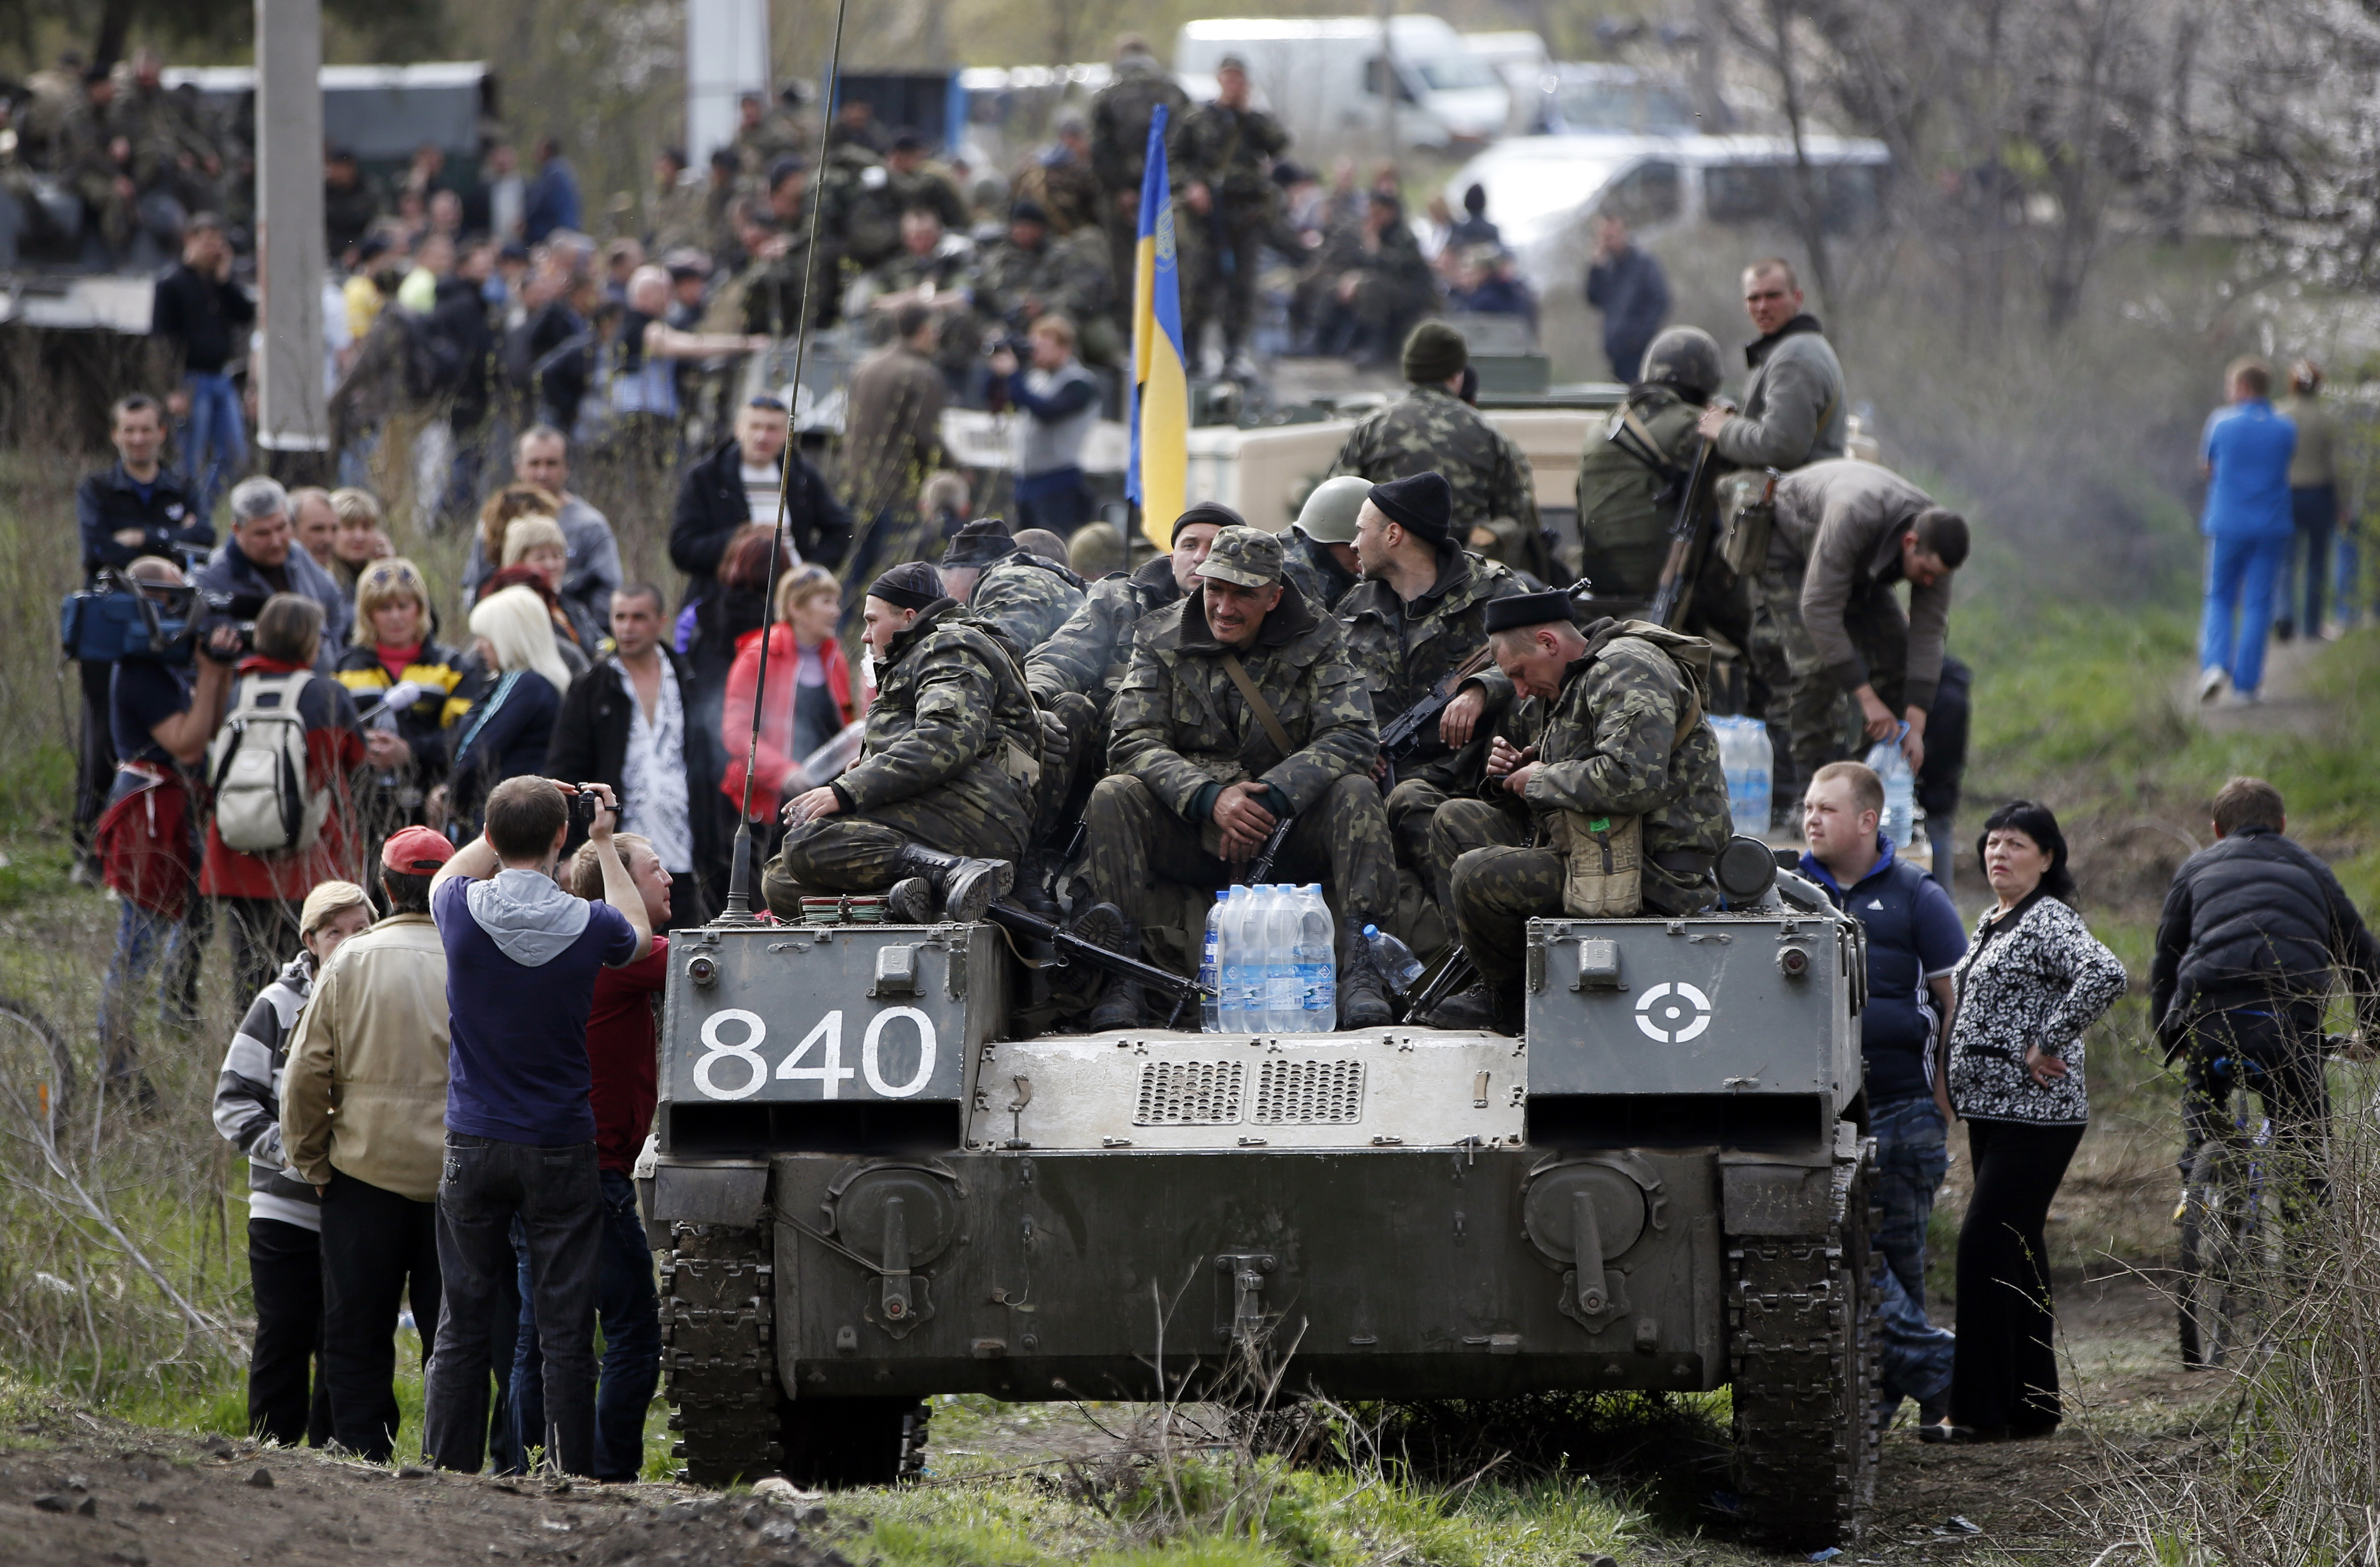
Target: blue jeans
1058	500
630	1314
142	938
1910	1159
215	444
2242	576
2315	510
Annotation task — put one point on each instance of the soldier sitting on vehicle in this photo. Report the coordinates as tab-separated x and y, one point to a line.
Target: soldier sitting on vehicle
1030	274
1024	596
1242	710
1318	551
1617	803
946	770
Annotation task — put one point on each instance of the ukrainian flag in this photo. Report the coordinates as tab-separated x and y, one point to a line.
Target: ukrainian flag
1160	390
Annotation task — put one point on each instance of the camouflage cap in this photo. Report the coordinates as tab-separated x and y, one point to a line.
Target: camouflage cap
1248	557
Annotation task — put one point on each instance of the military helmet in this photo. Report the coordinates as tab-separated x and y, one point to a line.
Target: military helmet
1328	514
1685	358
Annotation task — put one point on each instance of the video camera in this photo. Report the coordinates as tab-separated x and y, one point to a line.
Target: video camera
118	619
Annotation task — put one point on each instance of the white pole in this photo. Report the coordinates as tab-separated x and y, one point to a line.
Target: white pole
293	414
726	56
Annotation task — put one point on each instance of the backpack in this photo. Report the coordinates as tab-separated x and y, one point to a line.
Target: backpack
257	764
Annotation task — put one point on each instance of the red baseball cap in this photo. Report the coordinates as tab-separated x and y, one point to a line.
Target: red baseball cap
415	851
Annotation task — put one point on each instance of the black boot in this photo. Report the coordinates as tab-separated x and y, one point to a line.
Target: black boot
1032	895
1470	1010
936	885
1363	994
1120	1004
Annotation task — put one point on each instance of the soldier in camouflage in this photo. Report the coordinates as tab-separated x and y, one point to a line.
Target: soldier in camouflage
1418	615
1030	274
1632	472
1059	180
871	220
929	269
1120	121
1370	284
1222	173
766	298
1022	595
1433	428
946	770
1622	734
1319	552
1203	771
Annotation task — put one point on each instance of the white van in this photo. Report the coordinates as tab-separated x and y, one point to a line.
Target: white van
1544	191
1323	78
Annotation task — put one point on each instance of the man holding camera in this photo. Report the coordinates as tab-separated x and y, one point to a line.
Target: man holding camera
260	559
1061	400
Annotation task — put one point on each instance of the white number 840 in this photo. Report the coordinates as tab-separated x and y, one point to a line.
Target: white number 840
829	1074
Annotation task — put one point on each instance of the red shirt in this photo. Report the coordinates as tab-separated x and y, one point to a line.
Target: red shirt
622	1057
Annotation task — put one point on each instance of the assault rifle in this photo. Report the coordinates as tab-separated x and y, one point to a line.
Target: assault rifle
1415	727
1073	948
1260	866
1686	532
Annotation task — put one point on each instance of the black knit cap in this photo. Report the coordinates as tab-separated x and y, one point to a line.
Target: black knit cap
1519	610
912	585
1422	504
1213	512
1028	210
980	542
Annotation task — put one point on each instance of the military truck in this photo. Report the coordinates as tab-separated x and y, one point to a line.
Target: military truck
870	1190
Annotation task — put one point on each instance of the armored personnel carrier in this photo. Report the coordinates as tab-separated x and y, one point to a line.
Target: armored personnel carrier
869	1190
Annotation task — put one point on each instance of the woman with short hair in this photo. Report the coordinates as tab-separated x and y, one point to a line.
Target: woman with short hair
2034	978
809	695
408	683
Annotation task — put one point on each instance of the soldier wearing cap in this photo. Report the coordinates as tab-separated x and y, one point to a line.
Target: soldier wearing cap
947	769
1024	596
905	182
1243	706
1613	736
1318	554
1418	615
1495	500
1222	171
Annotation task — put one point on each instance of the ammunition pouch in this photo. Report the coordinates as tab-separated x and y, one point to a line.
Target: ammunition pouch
1745	522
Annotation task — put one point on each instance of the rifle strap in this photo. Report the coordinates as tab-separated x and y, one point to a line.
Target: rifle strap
1257	705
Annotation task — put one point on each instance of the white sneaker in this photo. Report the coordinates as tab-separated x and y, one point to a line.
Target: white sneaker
2242	699
2210	685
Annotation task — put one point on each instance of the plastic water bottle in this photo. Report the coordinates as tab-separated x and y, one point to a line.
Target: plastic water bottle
1759	777
1243	960
1284	1010
1211	972
1395	960
1899	788
1318	961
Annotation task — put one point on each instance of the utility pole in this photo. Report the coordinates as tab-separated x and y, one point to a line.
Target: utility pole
292	418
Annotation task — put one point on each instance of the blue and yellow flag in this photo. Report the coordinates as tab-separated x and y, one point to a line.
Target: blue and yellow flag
1160	387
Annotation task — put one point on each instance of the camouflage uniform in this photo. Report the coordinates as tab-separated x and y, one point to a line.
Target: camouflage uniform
1230	152
88	162
1406	649
1026	599
1395	287
950	760
871	221
1065	190
1183	733
163	136
1075	671
959	343
765	298
1608	746
1120	117
1015	287
1432	428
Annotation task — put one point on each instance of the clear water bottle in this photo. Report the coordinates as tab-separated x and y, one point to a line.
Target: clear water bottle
1759	777
1318	961
833	759
1899	788
1210	971
1283	1011
1241	961
1395	960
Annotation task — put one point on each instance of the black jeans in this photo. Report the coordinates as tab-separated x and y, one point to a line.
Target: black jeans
630	1313
288	1400
2004	1377
263	937
377	1246
554	1194
2277	1052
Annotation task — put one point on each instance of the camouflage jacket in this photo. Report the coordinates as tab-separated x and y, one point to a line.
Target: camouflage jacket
1608	745
1404	649
1311	566
1394	267
1625	507
1089	653
1230	152
872	228
1025	598
1180	723
1120	117
160	132
1065	189
950	715
1015	287
1432	428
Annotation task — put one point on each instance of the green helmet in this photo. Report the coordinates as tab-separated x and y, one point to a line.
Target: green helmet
1328	514
1685	358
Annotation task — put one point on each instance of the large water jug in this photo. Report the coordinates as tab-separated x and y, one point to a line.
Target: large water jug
1233	960
1318	961
1210	971
1284	1012
1900	789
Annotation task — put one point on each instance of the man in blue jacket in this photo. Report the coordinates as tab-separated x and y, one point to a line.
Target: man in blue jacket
1914	940
2244	457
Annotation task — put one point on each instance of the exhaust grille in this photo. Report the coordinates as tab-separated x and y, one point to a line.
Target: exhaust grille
1189	1093
1309	1093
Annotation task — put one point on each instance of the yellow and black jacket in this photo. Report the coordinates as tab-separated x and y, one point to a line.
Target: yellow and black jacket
426	724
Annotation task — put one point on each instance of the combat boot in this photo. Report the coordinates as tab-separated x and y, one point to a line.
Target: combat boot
1032	893
1363	994
936	885
1469	1010
1120	1004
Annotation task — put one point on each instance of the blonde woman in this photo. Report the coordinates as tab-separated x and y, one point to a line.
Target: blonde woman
536	544
511	721
407	682
809	692
358	540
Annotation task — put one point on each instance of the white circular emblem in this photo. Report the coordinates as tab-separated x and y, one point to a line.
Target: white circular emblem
1671	1014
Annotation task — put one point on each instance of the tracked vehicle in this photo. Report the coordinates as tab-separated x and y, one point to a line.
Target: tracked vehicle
868	1191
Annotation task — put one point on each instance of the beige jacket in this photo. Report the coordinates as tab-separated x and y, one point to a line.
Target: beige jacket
1841	521
365	1091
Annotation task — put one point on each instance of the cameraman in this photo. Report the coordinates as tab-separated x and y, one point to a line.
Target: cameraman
260	559
136	508
1062	399
161	714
